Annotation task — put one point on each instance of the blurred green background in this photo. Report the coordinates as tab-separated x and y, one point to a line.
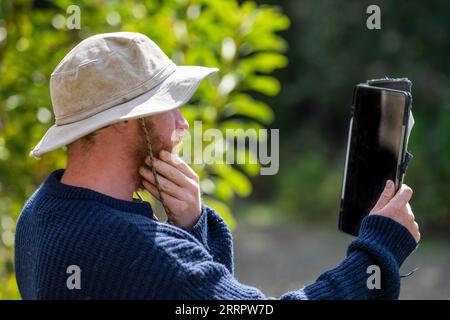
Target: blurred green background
283	64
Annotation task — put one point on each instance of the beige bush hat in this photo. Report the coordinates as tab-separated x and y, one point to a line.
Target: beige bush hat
114	77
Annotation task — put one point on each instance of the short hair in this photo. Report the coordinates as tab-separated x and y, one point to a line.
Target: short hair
86	141
89	140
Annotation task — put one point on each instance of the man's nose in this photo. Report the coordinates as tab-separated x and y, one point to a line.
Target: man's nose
180	122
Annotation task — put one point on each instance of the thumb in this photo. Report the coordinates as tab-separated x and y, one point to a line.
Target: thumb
403	196
385	197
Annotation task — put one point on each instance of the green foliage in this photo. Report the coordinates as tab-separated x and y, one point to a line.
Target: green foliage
309	190
240	39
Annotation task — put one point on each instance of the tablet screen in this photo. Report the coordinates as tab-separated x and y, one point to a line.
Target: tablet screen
374	152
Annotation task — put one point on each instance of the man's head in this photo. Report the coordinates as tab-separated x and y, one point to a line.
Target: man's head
111	81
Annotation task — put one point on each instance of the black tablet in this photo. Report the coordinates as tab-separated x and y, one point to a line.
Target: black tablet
376	150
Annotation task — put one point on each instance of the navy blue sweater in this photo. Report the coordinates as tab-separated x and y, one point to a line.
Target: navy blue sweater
121	252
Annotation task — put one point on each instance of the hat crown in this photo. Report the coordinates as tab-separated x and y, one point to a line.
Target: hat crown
103	71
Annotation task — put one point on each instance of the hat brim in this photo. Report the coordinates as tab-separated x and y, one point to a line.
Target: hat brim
170	94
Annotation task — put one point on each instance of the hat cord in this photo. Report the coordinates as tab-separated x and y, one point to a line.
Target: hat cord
150	152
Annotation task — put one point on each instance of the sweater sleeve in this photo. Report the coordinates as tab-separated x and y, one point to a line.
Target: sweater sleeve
386	251
214	234
207	279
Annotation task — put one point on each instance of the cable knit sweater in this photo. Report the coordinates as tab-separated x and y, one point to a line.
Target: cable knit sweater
122	252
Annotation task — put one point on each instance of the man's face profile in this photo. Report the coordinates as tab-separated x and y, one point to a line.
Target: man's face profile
165	131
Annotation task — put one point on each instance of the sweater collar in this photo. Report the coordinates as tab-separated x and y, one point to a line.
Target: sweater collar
53	186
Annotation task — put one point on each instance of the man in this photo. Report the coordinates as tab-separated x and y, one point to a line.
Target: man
81	235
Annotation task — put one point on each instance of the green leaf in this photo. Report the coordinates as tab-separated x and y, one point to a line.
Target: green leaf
237	180
265	62
263	84
223	190
245	105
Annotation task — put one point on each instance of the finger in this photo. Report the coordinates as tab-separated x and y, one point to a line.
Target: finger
409	209
385	197
410	212
151	188
402	197
172	203
178	163
165	184
170	172
418	235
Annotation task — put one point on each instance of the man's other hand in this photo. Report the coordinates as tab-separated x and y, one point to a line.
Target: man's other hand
396	206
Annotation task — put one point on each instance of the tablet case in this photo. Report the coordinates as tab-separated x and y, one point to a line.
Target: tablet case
402	84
